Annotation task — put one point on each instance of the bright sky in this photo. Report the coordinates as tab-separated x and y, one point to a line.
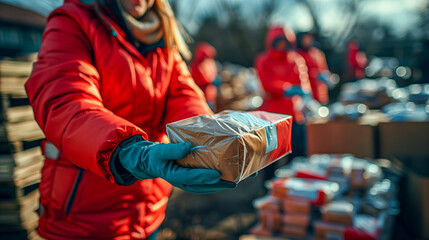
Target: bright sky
403	14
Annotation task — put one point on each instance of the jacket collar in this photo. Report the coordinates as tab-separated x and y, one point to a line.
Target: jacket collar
115	30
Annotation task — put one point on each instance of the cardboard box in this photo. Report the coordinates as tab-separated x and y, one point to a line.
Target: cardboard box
296	220
295	206
404	139
327	230
338	212
237	144
341	137
270	220
414	196
294	231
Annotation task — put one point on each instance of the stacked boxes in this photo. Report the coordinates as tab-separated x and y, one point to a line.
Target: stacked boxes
21	159
329	197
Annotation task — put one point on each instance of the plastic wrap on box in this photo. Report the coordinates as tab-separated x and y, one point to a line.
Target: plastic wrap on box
338	211
235	143
327	230
296	219
296	206
267	203
316	191
294	231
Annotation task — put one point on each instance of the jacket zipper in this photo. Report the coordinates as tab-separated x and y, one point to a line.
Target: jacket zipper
74	190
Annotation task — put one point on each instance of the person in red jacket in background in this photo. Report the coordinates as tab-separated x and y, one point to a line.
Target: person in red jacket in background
204	71
356	61
317	66
284	77
108	78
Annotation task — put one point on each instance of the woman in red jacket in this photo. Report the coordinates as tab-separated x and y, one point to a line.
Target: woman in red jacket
284	77
109	77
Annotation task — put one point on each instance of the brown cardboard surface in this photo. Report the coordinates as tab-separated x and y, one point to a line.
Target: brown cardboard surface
296	220
338	212
341	137
404	139
294	206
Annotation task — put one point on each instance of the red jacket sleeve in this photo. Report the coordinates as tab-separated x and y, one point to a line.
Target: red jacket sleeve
185	99
64	92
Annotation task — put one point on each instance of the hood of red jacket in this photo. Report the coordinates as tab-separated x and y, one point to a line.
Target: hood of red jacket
279	32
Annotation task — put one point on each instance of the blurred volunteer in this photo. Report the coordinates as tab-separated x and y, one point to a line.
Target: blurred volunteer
204	70
284	77
356	61
108	79
317	66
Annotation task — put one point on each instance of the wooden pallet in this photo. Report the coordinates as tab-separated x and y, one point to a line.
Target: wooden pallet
13	100
18	146
20	213
21	131
17	114
10	191
12	85
17	174
21	158
15	68
16	204
21	234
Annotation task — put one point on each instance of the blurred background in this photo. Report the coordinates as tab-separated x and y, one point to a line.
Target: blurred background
377	114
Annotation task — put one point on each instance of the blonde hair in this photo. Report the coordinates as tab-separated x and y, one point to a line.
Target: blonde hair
172	29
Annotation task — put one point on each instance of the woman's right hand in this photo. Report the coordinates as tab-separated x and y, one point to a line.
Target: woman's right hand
148	160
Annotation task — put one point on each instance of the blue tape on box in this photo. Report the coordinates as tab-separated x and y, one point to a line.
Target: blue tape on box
270	129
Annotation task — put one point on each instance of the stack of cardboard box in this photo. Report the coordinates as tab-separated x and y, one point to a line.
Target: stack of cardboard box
21	159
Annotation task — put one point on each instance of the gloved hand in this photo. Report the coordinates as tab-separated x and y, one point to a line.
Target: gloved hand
294	90
148	160
324	77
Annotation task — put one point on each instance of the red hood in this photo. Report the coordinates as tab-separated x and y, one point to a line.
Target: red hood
277	32
203	50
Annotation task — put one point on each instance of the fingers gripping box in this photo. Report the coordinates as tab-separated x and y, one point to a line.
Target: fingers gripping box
237	144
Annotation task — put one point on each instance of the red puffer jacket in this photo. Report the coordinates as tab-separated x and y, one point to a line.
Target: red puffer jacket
278	71
316	63
90	90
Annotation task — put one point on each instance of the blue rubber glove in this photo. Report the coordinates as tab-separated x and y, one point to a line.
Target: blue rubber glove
294	90
324	77
148	160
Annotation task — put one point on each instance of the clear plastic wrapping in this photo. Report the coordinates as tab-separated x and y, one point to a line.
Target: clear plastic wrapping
317	192
237	144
